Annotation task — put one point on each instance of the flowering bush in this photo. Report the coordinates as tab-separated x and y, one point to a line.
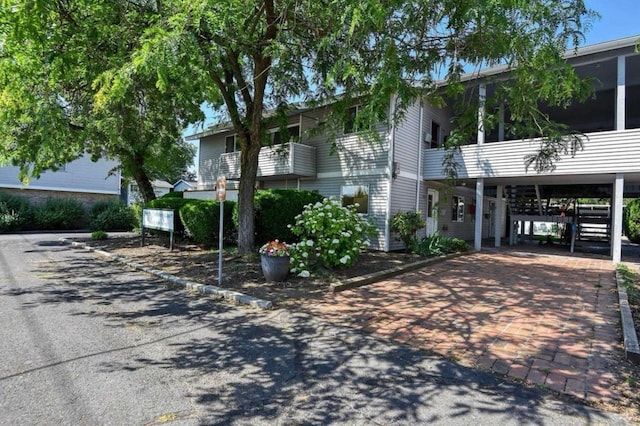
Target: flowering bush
275	248
330	234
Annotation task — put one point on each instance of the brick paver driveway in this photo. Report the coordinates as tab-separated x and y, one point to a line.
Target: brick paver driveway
550	320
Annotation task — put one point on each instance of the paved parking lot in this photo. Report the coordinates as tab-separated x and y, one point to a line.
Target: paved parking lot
548	319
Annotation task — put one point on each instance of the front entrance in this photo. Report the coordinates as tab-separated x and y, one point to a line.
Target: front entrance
432	211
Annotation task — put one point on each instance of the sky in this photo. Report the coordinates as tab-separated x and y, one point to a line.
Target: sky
618	19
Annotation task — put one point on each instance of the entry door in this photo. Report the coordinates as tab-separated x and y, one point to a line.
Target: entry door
432	211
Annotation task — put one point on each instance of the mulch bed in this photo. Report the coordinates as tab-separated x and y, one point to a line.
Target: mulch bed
240	273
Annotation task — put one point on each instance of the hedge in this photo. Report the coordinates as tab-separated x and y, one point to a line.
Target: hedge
58	213
16	213
275	209
201	220
111	216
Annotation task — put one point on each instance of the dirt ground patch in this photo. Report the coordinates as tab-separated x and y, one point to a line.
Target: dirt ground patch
240	273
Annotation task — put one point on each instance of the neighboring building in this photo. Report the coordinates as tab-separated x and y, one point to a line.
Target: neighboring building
185	185
132	195
81	179
494	196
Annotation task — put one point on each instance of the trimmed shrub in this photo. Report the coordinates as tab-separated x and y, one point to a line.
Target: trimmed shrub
173	194
201	221
15	213
58	213
631	221
276	209
111	216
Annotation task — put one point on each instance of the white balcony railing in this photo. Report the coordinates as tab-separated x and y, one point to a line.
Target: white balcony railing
287	161
604	152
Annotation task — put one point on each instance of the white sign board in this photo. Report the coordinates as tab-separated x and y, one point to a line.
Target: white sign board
161	219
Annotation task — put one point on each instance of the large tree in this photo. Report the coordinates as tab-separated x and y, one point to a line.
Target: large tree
68	87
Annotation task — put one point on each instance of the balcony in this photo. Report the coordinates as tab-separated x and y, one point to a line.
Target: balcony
288	161
603	153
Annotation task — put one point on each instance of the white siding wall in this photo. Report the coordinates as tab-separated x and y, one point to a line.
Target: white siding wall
211	147
81	175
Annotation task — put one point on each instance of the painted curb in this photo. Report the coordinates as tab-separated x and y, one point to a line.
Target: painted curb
233	296
379	276
631	348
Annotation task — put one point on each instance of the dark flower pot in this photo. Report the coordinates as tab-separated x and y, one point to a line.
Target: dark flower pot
275	268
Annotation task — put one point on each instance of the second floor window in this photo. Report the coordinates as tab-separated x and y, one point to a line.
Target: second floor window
435	134
351	126
231	144
293	135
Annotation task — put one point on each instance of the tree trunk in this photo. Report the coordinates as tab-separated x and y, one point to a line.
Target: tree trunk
144	185
246	211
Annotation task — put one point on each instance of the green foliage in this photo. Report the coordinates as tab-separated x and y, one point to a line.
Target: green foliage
631	221
407	224
173	194
201	220
330	235
111	216
99	235
276	209
70	85
58	213
437	245
136	211
15	213
630	282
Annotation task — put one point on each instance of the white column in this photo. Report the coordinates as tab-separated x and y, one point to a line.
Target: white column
616	225
477	240
482	96
499	219
620	94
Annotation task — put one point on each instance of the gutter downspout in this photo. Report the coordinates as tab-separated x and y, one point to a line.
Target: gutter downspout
419	170
391	138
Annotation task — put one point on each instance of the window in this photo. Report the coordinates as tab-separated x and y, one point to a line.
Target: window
430	205
277	135
457	209
356	194
351	126
231	144
435	134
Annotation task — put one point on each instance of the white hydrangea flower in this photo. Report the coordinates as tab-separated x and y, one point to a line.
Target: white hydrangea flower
345	259
304	274
305	254
332	251
310	242
335	241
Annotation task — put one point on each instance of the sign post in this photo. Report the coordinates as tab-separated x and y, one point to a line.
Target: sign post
221	195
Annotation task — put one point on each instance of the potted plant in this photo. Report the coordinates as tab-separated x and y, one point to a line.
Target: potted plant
274	260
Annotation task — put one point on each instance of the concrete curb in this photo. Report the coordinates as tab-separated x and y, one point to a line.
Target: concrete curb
631	348
233	296
378	276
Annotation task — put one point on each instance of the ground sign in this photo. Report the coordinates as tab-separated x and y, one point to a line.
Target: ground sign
160	219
